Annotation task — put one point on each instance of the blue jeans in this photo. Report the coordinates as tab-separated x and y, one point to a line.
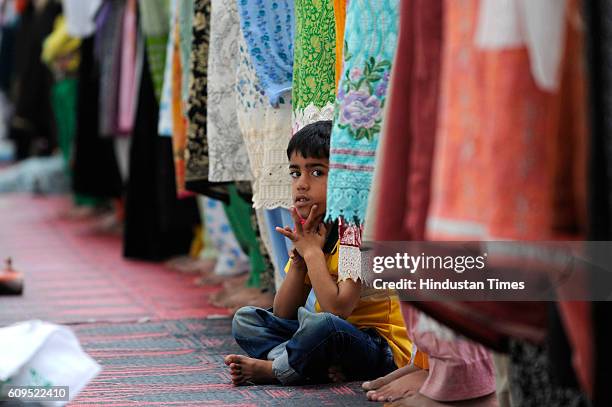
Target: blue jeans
302	350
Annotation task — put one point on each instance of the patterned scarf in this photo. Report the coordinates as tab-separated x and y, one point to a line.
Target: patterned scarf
196	155
268	31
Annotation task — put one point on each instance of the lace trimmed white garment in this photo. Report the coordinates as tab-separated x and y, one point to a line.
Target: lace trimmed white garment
311	114
266	131
228	159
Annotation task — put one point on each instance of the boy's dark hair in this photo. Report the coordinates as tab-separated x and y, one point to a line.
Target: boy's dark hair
312	141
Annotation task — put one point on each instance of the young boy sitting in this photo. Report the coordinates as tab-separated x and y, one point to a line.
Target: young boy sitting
355	333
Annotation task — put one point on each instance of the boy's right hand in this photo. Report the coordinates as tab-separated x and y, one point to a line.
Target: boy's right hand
307	237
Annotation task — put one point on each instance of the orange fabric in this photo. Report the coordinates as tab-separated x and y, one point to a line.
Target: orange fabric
494	164
340	16
179	121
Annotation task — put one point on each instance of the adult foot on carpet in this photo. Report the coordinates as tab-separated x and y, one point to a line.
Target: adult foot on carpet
107	225
215	279
417	399
198	266
240	297
77	213
381	381
263	300
245	370
231	283
189	265
336	374
402	386
178	261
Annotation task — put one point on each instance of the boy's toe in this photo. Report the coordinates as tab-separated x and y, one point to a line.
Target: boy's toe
229	359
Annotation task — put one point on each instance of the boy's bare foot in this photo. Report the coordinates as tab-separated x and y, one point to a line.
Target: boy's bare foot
401	387
245	370
336	374
381	381
418	400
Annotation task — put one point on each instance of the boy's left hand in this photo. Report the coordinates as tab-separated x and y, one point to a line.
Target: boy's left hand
307	237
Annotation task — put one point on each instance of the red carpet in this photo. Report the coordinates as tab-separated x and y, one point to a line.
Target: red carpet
75	276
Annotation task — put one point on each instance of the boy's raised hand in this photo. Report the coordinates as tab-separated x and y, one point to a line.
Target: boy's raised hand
307	237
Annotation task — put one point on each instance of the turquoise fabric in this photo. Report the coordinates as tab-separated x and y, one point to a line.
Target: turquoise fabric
369	48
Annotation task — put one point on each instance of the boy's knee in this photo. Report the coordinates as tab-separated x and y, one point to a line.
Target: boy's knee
321	322
245	321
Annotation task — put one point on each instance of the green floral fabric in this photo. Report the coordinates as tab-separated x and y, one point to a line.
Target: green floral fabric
314	62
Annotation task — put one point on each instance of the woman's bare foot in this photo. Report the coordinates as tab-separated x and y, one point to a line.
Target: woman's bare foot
381	381
418	400
245	370
401	387
336	374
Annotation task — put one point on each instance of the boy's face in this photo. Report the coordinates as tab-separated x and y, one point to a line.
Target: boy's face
309	184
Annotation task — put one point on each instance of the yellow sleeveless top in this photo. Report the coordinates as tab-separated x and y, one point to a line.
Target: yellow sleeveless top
378	309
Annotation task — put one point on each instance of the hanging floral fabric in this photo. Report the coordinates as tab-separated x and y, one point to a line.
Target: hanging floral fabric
314	89
370	41
228	160
268	30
